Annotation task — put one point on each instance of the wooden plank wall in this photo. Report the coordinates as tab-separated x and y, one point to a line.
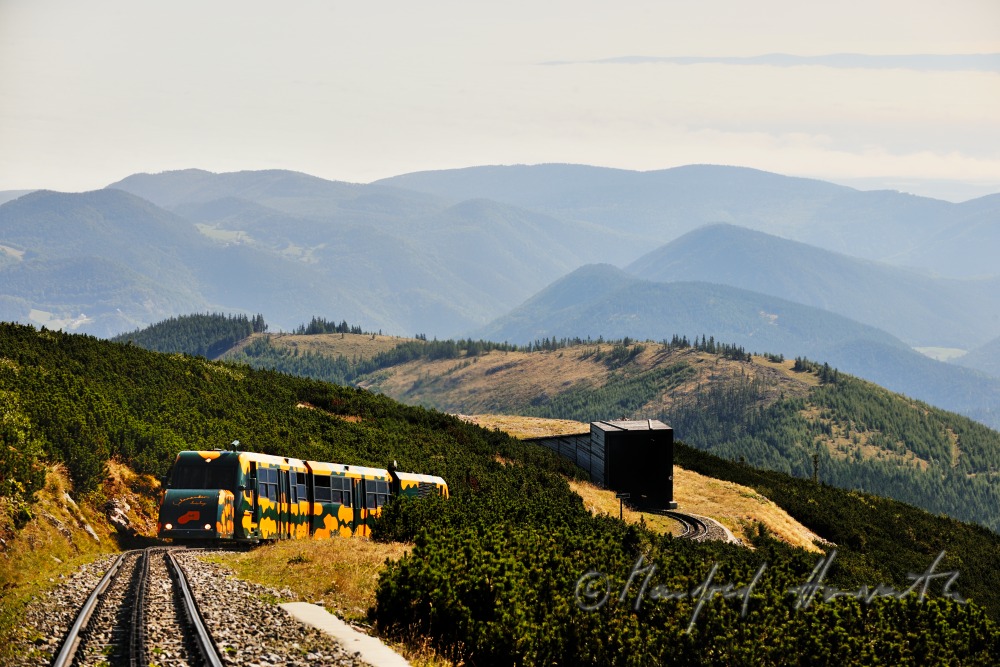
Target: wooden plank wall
583	450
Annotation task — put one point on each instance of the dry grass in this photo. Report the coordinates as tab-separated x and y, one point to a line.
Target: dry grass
49	547
785	368
603	502
340	574
486	383
527	427
141	492
736	507
361	346
496	378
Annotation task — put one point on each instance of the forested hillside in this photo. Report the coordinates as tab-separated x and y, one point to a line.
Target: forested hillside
197	335
499	573
718	397
601	300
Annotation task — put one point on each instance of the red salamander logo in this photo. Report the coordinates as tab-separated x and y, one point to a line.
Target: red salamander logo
193	515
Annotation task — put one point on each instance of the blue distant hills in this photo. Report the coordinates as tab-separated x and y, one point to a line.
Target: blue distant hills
783	265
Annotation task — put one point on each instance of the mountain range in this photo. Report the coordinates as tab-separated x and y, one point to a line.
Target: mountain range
781	265
603	301
954	240
919	309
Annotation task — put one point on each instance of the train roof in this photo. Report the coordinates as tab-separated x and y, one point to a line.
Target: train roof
417	477
316	466
210	455
349	470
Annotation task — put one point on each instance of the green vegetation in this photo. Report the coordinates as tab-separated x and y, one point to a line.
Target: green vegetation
493	575
496	584
82	401
884	441
197	335
865	438
262	353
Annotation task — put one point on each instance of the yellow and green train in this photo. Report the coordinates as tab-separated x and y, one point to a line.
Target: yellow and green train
243	496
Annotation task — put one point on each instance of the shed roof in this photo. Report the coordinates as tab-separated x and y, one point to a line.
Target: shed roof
629	425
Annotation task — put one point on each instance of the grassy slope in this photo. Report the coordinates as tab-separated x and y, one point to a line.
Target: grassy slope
359	346
527	504
739	508
54	542
760	410
507	382
507	379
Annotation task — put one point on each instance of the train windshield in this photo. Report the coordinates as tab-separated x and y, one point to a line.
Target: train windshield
203	476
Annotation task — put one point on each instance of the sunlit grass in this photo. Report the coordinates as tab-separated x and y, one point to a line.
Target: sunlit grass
36	558
341	574
736	507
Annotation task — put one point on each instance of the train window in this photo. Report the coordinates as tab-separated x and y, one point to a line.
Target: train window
300	483
377	493
346	491
322	488
338	493
267	483
203	476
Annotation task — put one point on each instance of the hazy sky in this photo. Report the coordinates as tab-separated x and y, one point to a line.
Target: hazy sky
93	91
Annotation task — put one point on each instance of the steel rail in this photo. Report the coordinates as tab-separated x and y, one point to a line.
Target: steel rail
137	634
206	646
694	528
72	641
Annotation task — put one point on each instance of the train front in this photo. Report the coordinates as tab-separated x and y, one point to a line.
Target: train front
198	502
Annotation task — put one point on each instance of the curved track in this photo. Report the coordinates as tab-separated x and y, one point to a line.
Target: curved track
112	627
694	527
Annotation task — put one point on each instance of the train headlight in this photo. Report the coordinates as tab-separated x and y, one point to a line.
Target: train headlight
208	526
168	526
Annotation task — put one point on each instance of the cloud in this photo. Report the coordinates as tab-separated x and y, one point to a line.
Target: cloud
955	62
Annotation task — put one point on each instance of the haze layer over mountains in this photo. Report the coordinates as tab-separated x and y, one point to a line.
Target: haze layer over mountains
776	264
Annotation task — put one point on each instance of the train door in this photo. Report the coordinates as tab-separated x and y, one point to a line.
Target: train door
360	513
284	505
253	504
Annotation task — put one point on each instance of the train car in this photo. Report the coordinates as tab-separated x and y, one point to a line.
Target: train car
244	496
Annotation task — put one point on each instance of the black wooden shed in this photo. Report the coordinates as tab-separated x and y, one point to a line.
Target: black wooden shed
629	456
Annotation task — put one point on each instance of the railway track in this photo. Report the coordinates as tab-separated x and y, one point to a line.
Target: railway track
142	612
694	527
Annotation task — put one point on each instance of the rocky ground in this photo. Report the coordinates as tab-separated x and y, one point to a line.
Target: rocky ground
244	619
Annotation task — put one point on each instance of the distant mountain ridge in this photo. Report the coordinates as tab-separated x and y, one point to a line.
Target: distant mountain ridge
985	358
446	253
120	261
661	205
293	245
603	301
924	310
10	195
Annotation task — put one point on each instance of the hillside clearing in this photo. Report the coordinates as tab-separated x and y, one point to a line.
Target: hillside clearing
352	346
736	507
499	381
527	427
